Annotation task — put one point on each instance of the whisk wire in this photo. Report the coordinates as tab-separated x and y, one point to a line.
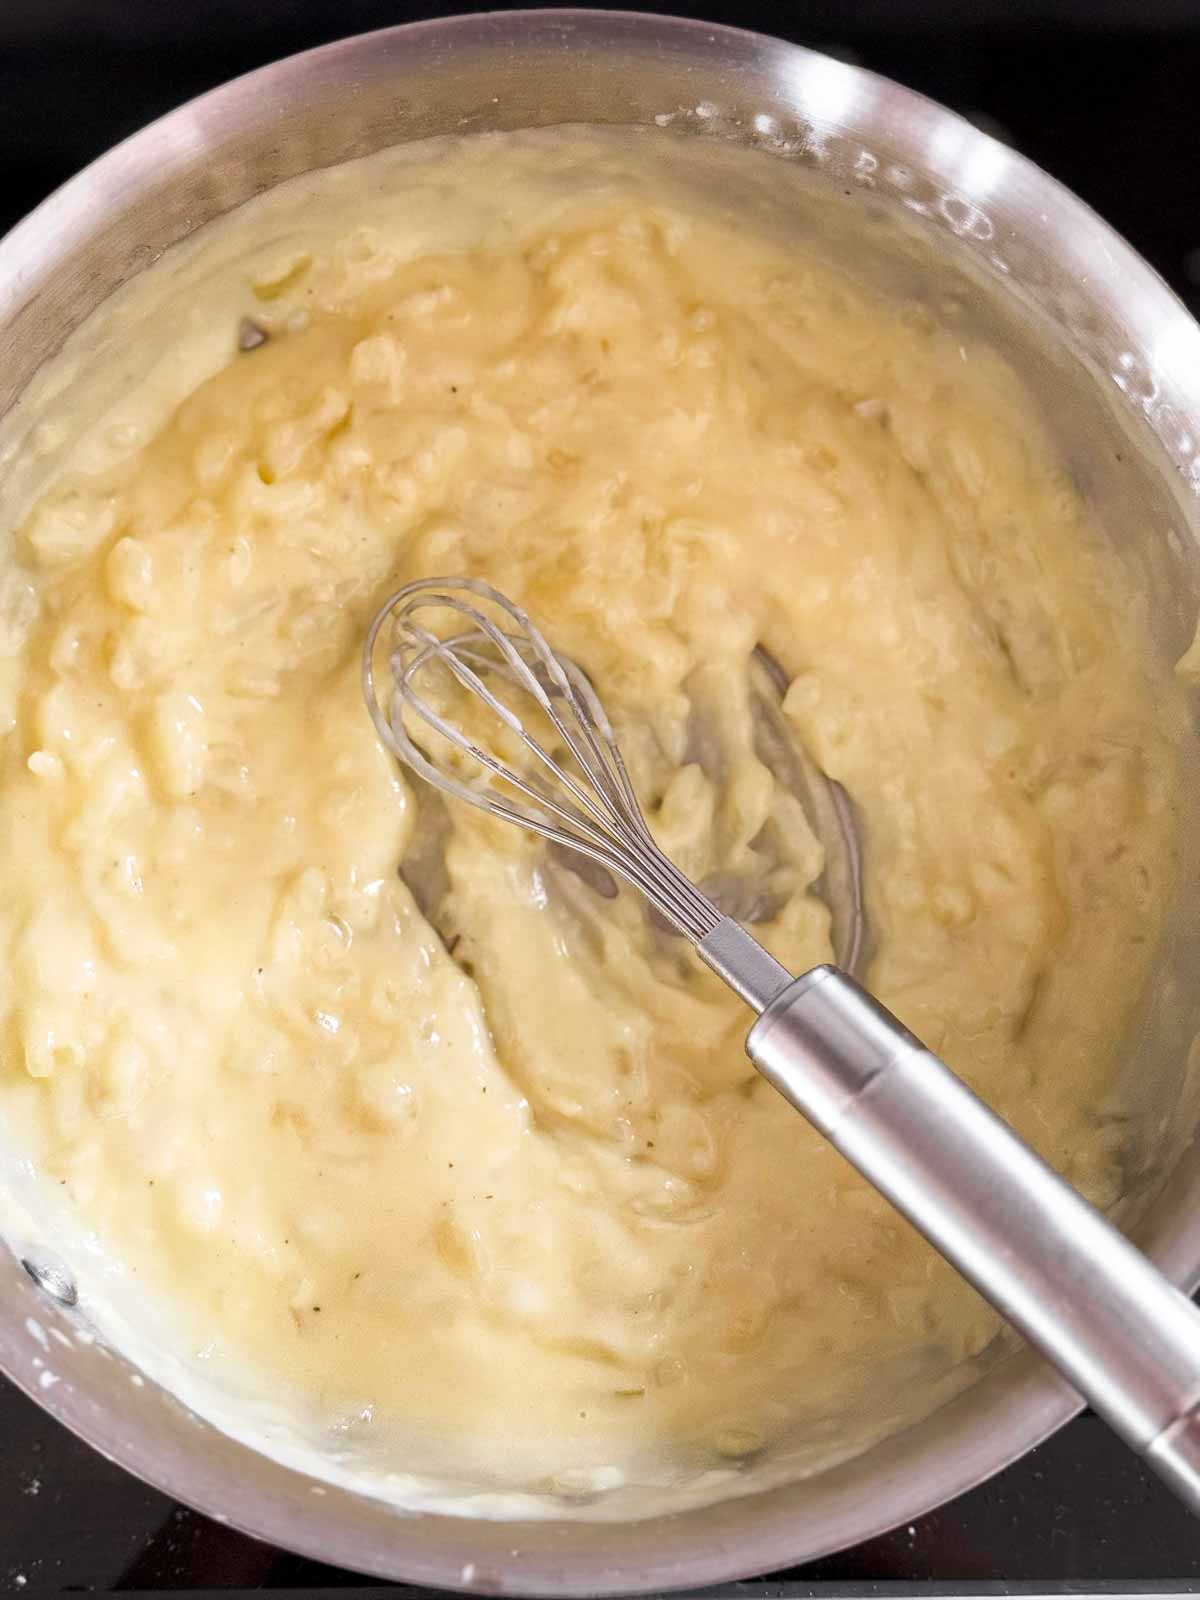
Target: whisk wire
449	651
590	717
445	651
605	767
598	817
587	817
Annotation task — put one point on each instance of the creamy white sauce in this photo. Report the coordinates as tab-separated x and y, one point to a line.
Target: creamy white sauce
520	1218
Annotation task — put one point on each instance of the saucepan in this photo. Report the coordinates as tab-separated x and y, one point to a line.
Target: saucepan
1113	358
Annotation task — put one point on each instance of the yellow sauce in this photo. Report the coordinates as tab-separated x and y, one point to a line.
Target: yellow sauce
525	1208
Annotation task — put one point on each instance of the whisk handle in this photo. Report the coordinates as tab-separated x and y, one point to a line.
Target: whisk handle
1124	1337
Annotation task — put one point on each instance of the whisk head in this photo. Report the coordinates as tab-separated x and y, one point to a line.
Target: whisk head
498	656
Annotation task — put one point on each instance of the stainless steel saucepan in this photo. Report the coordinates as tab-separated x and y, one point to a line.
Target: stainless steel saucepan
913	195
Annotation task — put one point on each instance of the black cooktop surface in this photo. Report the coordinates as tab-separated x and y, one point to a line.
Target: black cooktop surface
1100	92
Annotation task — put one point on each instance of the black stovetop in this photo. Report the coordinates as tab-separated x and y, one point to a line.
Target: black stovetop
1100	92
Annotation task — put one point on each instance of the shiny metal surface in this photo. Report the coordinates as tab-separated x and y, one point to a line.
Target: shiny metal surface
1116	359
739	960
1121	1333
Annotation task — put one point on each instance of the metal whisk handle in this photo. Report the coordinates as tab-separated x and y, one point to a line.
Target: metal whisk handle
1126	1339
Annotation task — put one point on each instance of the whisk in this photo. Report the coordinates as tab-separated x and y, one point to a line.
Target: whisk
1125	1338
